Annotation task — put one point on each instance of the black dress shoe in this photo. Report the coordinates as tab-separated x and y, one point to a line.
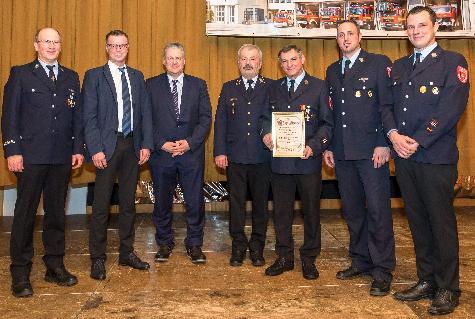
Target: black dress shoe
309	270
21	287
350	273
132	260
163	253
257	258
196	255
237	257
423	289
379	288
60	276
444	302
98	269
280	265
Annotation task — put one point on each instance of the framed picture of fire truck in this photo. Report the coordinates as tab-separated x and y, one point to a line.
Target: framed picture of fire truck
318	18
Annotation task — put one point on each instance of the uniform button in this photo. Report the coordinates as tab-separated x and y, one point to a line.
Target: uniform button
342	101
249	113
343	89
54	94
52	106
364	87
248	133
288	107
404	109
249	124
407	96
249	102
403	123
55	117
344	125
343	113
53	131
410	83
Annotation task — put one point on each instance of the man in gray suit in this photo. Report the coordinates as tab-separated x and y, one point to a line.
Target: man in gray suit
118	125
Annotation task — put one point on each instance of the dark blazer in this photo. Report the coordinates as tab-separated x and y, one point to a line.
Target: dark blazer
42	121
311	94
100	113
428	103
357	99
238	124
194	121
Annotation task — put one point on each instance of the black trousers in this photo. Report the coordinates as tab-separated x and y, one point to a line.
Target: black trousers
257	177
283	190
124	166
428	192
52	181
365	195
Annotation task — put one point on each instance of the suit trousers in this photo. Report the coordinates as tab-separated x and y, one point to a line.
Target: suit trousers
428	192
283	189
165	178
52	181
123	165
257	177
366	203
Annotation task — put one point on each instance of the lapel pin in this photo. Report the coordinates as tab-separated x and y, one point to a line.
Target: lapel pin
358	93
423	89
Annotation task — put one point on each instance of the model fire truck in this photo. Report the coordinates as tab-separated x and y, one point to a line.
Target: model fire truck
446	16
283	19
307	19
362	12
391	15
329	16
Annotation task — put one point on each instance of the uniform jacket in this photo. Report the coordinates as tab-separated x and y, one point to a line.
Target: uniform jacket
194	121
312	98
238	124
428	103
100	111
356	100
41	120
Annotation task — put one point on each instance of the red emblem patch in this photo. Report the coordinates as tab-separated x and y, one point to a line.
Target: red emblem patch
462	74
388	69
330	103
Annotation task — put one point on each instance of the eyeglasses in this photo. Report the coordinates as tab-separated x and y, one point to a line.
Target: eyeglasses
117	46
49	42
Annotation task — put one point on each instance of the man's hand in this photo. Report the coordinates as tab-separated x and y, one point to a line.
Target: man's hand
181	148
144	156
380	156
267	139
221	161
307	152
15	163
329	159
99	160
403	145
169	147
77	160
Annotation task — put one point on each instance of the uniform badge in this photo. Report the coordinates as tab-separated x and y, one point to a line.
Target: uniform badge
305	82
388	70
361	60
423	89
462	74
72	99
262	80
363	79
307	112
432	125
358	93
370	93
330	103
434	55
238	81
232	100
435	90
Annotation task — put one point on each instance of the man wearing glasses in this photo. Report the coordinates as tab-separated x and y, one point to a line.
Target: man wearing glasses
42	141
118	134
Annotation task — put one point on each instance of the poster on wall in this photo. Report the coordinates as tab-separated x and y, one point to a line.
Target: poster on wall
318	18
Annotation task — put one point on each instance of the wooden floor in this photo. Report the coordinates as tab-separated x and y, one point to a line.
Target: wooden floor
179	289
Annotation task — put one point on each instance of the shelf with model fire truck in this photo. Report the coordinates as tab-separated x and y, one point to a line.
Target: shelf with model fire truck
318	18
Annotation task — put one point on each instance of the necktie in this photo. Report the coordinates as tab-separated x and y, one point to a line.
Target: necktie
291	88
51	73
249	88
126	128
417	61
347	67
175	99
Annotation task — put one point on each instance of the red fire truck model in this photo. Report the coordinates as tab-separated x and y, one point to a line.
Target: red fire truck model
307	19
391	15
329	16
362	13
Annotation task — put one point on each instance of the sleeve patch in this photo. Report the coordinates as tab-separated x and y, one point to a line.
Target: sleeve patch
462	74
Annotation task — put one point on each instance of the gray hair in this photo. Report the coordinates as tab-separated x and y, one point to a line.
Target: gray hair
249	46
176	45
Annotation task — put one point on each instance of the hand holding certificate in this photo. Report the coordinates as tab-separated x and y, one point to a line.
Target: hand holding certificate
288	134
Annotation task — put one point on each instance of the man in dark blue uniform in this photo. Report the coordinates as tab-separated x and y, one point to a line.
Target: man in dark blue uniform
430	89
298	92
358	86
239	149
42	141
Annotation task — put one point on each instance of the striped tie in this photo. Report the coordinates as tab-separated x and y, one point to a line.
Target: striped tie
175	99
126	103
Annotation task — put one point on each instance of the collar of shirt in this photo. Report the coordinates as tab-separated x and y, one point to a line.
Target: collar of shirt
424	52
254	81
352	60
297	81
55	69
115	68
179	78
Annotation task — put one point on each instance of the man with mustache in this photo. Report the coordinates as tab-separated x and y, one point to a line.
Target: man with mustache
359	85
239	149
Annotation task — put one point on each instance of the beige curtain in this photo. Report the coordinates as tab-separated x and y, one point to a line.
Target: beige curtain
150	24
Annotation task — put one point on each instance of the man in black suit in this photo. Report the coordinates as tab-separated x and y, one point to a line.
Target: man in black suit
239	149
298	92
358	85
42	141
118	134
430	89
181	117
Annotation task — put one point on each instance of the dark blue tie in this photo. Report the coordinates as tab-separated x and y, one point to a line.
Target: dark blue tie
126	129
175	99
51	73
417	61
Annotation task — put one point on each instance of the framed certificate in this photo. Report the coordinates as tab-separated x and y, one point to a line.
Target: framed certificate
288	134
